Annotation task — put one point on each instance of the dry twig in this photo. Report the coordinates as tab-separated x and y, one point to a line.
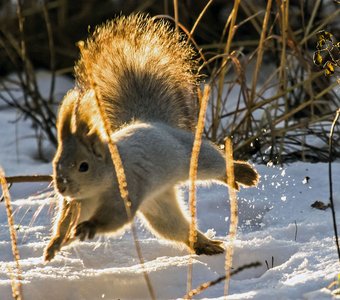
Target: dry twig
331	182
15	280
193	176
26	178
209	284
233	211
29	178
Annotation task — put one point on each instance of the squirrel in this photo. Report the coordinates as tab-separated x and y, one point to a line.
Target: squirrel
144	71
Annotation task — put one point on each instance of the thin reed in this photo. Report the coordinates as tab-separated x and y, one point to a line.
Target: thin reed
233	211
331	199
231	23
118	165
16	275
260	51
202	287
176	14
193	176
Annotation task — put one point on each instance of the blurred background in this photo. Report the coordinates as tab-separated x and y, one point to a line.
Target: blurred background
273	66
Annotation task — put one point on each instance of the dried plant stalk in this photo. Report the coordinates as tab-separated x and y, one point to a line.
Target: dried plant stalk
118	164
233	16
15	280
260	51
29	178
337	115
233	211
193	176
284	13
199	18
26	178
175	2
211	283
51	49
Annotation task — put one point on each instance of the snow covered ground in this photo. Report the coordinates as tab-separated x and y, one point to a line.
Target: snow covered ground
277	226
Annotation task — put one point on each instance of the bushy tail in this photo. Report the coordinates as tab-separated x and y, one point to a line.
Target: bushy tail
144	71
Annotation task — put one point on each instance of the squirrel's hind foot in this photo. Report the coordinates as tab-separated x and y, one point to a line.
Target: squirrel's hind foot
52	249
245	174
208	247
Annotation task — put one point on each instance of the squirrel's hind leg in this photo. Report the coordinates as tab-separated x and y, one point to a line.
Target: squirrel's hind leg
212	165
165	217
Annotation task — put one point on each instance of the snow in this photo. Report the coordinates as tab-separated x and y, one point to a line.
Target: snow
277	225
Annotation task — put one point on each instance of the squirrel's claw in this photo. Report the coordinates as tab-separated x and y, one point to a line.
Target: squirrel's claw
85	230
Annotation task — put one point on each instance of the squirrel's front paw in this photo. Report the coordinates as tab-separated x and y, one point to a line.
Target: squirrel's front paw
52	249
85	230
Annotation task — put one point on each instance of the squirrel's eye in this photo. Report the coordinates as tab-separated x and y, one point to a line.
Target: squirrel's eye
83	167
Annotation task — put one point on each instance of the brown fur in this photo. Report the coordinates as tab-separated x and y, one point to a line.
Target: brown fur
143	71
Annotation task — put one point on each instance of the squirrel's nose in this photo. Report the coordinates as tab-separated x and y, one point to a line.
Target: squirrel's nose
61	183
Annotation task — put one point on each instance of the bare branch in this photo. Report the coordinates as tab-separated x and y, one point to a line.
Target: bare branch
29	178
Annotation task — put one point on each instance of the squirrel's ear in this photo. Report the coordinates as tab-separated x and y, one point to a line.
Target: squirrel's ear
65	114
98	147
82	128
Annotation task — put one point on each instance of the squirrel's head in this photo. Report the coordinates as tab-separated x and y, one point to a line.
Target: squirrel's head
82	166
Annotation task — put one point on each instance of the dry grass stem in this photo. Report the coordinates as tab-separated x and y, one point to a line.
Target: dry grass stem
337	115
51	49
29	178
232	28
21	30
321	25
118	165
316	6
15	278
193	176
211	283
176	15
284	14
26	178
199	18
250	11
233	211
260	50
